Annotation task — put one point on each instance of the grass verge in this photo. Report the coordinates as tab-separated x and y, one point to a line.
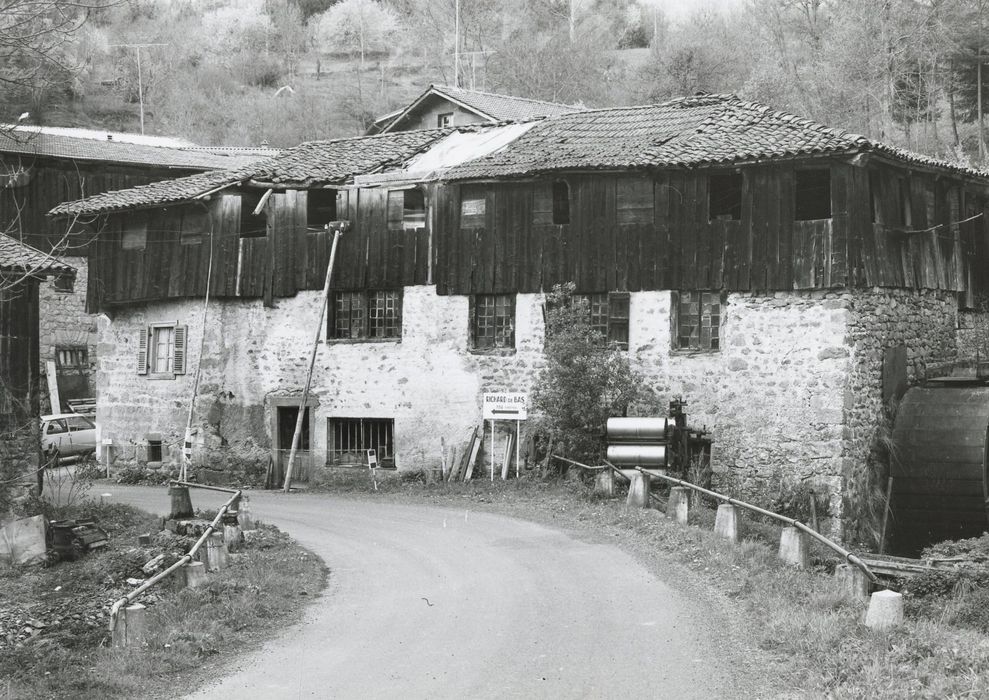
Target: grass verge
800	633
66	654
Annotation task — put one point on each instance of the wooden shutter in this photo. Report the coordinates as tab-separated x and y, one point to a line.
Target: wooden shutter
396	209
178	357
142	351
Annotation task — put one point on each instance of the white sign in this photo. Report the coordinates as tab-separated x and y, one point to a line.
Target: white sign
505	406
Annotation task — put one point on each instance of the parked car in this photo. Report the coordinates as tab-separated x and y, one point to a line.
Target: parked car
68	434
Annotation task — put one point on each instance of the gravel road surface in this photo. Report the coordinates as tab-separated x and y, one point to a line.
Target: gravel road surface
430	602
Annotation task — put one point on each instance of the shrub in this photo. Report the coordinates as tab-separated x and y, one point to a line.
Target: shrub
584	382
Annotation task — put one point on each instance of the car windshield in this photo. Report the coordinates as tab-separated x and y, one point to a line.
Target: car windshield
78	423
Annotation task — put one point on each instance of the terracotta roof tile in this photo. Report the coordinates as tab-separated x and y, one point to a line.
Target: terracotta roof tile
21	258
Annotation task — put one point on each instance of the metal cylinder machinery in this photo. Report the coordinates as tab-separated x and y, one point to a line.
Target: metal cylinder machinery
637	430
645	456
939	466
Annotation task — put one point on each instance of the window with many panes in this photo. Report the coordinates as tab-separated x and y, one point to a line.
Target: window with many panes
608	315
697	320
492	321
161	350
351	438
366	315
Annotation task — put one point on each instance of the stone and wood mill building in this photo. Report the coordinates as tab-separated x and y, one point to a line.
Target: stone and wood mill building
775	273
22	271
43	166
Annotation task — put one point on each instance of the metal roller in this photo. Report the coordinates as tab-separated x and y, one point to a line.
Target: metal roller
637	455
639	429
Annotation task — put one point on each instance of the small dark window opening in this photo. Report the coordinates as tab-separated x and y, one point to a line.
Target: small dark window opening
154	450
64	282
561	202
906	213
414	209
195	224
444	120
724	197
252	226
321	209
812	194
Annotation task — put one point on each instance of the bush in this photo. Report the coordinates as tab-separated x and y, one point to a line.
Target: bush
585	380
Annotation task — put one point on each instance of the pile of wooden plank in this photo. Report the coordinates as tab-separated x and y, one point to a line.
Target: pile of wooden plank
460	466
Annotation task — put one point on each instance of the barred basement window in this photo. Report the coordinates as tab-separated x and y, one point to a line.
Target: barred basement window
353	437
375	314
609	316
697	320
71	357
492	321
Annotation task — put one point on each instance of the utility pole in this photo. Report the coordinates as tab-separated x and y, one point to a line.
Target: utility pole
456	46
140	79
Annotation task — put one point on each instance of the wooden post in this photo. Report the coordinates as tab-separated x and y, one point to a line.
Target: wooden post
181	502
882	534
233	538
312	363
492	451
518	439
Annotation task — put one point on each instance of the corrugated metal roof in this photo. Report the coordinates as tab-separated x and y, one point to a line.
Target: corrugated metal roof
28	142
21	258
687	132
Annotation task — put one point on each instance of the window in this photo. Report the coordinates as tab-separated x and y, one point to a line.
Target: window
154	448
634	200
561	202
252	226
135	234
64	282
406	210
812	194
473	206
56	427
71	357
195	225
492	321
78	423
161	350
724	197
608	315
697	320
321	209
375	314
444	120
353	437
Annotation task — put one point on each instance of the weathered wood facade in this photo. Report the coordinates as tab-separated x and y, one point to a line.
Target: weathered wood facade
19	366
35	184
874	225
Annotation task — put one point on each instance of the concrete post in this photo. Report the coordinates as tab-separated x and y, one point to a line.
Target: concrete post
131	626
181	502
726	522
244	517
852	581
195	574
604	483
885	610
678	506
793	548
233	538
638	491
213	554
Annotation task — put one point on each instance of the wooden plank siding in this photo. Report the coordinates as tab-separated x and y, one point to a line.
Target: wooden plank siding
616	232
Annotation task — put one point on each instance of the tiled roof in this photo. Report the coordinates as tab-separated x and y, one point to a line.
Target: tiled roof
496	108
21	258
687	132
33	143
329	162
505	107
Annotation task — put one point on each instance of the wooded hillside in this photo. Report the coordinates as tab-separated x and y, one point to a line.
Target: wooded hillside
240	72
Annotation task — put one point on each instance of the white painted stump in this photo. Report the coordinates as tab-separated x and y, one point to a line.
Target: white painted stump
130	627
793	548
726	522
852	580
195	574
885	610
604	483
638	491
678	507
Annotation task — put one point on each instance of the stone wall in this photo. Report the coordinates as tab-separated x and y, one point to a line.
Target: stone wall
923	322
63	321
429	382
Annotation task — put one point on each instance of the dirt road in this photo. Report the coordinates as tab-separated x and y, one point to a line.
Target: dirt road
428	602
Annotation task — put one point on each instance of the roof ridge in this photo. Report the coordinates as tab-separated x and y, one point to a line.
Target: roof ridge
440	86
